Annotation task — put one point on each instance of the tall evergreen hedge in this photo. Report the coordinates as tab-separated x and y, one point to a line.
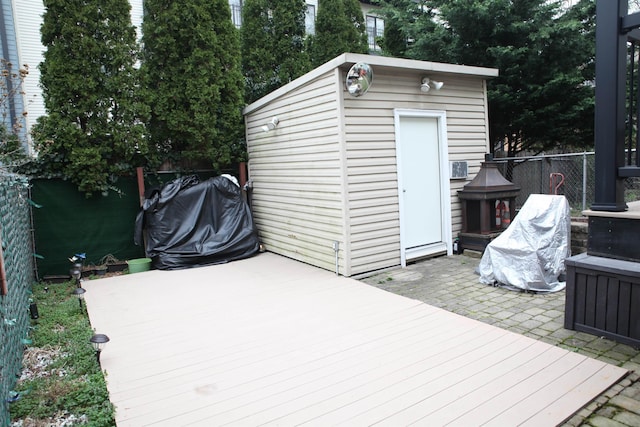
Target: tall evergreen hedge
192	81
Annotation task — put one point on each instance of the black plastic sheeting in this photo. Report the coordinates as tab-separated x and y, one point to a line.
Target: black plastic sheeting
187	223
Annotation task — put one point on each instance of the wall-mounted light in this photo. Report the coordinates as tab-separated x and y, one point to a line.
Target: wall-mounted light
428	84
98	341
271	125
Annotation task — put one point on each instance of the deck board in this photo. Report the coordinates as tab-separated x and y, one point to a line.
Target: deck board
269	340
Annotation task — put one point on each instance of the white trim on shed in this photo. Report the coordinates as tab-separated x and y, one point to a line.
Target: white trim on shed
328	173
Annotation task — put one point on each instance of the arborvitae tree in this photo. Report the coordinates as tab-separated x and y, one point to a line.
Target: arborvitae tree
272	38
92	132
358	38
543	97
193	84
410	31
339	28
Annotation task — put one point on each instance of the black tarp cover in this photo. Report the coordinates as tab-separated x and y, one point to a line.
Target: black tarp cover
188	223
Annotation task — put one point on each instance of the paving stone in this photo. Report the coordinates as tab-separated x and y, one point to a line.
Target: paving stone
613	391
602	344
599	421
492	309
521	317
551	327
575	421
538	301
543	333
499	299
536	311
628	418
627	403
534	324
608	360
554	314
631	392
542	318
503	314
627	350
631	366
608	411
573	341
562	333
619	357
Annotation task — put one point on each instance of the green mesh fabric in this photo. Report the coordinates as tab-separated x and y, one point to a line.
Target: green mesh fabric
67	223
15	231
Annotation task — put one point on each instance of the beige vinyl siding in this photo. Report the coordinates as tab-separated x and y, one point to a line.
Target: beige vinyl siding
371	156
296	172
328	172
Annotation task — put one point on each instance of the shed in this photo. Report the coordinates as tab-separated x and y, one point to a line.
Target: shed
358	184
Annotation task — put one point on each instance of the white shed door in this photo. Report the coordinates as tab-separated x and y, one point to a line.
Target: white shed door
420	184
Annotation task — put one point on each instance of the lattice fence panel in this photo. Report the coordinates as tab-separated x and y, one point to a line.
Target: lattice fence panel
17	248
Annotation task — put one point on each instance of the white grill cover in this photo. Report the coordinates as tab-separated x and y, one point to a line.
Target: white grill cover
530	253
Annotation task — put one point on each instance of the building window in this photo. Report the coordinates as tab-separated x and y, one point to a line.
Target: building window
310	19
236	12
375	29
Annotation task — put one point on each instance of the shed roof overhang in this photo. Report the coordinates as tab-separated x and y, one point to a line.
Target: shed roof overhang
389	63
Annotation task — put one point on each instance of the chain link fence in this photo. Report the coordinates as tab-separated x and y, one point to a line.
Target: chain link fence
17	251
572	175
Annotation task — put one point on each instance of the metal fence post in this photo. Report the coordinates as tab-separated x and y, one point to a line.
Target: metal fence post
584	181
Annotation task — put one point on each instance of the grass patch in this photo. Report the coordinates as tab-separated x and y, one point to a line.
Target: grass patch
62	382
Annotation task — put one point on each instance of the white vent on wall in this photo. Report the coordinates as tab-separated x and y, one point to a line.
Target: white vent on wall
458	170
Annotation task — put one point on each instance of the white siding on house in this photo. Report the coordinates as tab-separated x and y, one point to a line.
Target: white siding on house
371	157
28	19
296	173
137	13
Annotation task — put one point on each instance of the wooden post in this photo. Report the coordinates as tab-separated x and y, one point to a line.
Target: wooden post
3	273
243	174
140	174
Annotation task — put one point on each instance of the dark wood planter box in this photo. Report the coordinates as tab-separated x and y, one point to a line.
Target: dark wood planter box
56	278
116	267
603	298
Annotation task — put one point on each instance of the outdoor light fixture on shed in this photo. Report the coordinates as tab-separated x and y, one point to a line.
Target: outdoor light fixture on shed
271	125
98	341
428	84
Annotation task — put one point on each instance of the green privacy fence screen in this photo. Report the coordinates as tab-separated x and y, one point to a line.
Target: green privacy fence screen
15	231
67	223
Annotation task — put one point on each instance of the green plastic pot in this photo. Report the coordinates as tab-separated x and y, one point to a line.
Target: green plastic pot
139	265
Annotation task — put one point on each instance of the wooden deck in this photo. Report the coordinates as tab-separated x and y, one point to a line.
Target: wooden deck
269	340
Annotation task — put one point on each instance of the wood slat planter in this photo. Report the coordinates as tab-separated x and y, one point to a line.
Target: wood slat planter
603	298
